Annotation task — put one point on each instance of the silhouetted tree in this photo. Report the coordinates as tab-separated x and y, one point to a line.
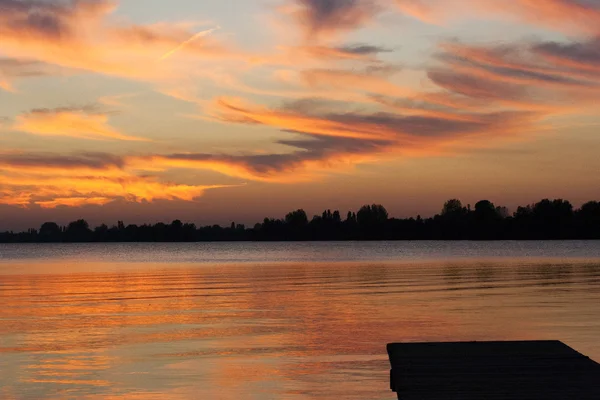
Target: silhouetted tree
297	219
351	217
296	223
375	214
78	231
588	220
453	207
337	218
486	221
502	212
371	221
452	223
485	209
189	232
175	231
50	232
552	219
101	233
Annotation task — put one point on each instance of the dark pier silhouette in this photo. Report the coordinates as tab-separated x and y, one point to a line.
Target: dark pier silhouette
523	370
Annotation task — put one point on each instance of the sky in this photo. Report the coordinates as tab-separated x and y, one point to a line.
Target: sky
220	111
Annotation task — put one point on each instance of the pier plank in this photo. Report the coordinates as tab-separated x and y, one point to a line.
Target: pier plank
522	370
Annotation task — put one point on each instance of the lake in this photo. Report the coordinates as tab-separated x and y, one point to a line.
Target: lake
273	320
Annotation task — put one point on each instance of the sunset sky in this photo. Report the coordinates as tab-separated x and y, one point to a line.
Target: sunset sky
217	110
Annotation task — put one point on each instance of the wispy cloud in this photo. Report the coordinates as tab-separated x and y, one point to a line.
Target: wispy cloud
580	58
359	52
369	81
545	76
12	69
80	123
48	162
118	99
51	180
83	35
410	134
579	16
312	158
188	42
324	18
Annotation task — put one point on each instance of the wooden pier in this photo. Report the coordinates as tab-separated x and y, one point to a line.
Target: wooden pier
525	370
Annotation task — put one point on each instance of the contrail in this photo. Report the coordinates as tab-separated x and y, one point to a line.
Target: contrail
190	40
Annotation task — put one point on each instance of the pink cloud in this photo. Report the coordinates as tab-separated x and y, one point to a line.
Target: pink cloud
580	16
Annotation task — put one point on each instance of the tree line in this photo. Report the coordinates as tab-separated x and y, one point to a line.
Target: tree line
545	220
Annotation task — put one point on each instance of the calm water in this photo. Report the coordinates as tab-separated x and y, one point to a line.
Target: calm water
274	320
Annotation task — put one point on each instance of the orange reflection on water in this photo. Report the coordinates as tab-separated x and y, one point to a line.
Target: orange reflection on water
294	331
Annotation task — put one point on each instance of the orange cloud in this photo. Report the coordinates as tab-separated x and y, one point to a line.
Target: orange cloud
232	110
431	12
329	141
293	85
82	35
360	137
74	202
571	15
548	77
284	168
53	180
6	85
362	87
69	122
405	130
479	94
579	16
355	81
80	191
228	167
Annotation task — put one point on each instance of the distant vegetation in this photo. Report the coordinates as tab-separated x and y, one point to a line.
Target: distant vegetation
548	219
